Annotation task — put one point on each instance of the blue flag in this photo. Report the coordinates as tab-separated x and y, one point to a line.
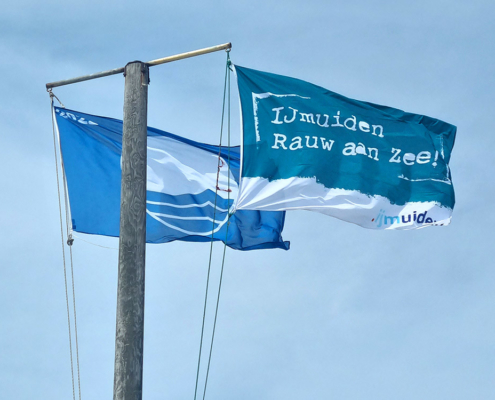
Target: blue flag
182	178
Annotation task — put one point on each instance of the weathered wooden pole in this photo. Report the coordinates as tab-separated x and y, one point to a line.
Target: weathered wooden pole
128	378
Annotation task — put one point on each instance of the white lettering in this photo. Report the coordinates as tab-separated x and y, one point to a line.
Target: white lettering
395	158
325	124
279	140
287	121
370	149
423	157
296	143
315	144
436	158
364	126
375	127
276	120
360	149
307	118
409	158
352	149
349	150
353	126
327	145
337	117
81	120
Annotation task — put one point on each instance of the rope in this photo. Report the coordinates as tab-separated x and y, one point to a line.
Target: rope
70	241
63	247
94	244
213	224
226	234
75	321
52	95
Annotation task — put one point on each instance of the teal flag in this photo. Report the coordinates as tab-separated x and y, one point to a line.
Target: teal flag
305	147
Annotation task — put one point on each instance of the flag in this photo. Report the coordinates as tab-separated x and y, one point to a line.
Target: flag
305	147
181	186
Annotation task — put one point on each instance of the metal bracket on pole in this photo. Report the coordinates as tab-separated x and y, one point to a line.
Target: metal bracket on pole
152	63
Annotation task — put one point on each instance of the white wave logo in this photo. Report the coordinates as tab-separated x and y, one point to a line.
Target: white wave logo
166	219
188	177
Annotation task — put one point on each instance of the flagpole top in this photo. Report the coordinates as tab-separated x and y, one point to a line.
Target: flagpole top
225	46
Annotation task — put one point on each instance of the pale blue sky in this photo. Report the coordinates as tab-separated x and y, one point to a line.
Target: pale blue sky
347	313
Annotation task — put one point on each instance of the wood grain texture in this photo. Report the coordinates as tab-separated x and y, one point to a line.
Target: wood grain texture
128	380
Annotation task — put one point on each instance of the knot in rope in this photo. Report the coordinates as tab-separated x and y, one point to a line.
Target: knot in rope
52	95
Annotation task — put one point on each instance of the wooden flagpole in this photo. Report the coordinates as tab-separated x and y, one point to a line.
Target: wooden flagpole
128	378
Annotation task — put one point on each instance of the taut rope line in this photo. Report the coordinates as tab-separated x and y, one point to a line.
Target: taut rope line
227	80
226	233
70	241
